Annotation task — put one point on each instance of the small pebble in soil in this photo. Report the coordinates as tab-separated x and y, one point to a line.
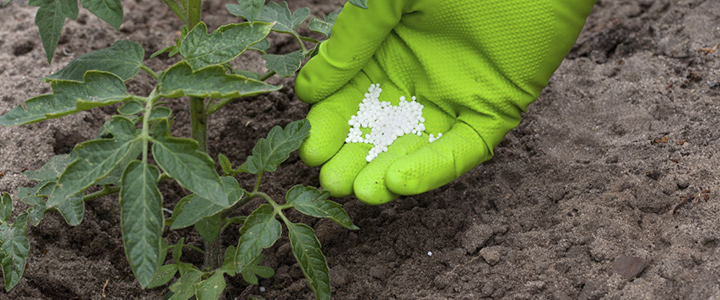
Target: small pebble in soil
429	253
492	257
262	289
629	267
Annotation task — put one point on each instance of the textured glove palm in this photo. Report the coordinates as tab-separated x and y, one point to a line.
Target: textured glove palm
474	65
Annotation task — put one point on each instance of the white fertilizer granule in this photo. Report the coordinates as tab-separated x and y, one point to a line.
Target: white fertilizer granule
385	121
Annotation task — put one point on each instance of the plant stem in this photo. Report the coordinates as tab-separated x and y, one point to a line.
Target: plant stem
194	11
193	248
198	122
267	75
149	71
101	193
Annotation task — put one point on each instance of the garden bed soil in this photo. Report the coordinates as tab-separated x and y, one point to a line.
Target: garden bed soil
615	166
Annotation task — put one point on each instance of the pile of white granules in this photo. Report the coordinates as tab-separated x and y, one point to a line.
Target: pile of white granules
386	122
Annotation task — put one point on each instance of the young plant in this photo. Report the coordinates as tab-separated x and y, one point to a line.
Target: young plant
119	161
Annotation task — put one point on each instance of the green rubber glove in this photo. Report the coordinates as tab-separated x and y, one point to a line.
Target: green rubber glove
475	65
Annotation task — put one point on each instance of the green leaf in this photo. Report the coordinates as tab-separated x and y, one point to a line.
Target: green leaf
141	219
99	89
211	82
6	207
109	11
160	113
184	288
119	126
52	168
37	204
261	46
260	231
6	3
96	159
14	250
359	3
247	9
178	209
269	152
131	107
209	228
226	165
306	249
228	265
199	207
201	49
284	20
50	19
172	50
247	74
325	24
124	59
72	210
177	250
211	288
163	275
193	169
251	271
312	202
284	65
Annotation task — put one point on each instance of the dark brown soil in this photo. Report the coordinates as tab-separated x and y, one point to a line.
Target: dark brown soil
616	160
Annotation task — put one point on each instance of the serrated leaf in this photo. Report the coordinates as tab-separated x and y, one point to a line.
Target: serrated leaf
284	65
269	152
201	49
99	89
325	24
37	204
359	3
52	168
14	250
72	209
284	20
199	207
312	202
211	288
6	207
131	108
45	188
260	231
193	169
163	275
246	9
211	82
50	19
184	288
124	59
251	271
308	254
141	219
261	46
96	159
109	11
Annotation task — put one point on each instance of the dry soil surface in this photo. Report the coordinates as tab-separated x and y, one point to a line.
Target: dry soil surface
616	162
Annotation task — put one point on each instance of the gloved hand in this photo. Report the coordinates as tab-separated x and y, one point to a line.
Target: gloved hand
475	65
